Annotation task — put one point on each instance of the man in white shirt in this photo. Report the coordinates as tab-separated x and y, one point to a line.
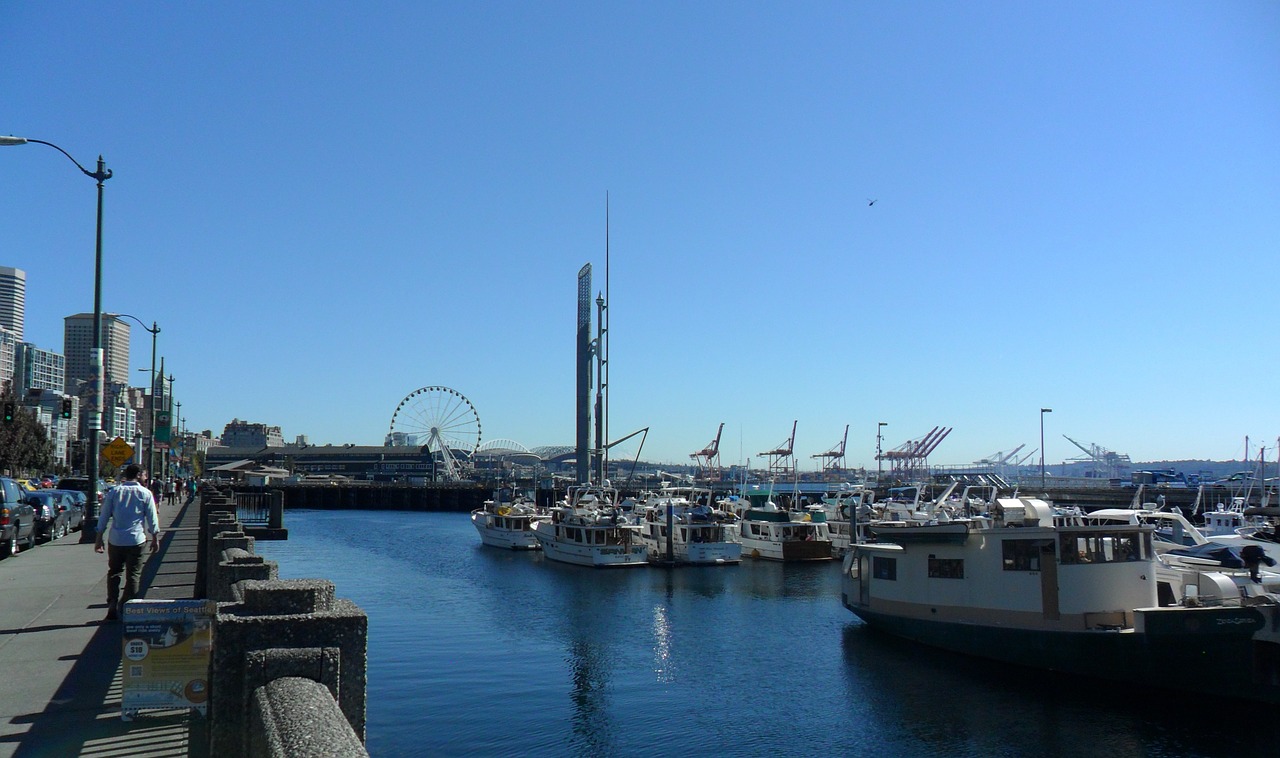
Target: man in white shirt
131	509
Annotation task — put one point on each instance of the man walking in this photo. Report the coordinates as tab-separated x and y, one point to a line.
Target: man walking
132	510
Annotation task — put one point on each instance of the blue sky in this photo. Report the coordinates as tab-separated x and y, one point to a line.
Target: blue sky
327	206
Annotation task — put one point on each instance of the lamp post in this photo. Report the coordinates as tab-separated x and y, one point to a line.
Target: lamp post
1042	412
177	419
879	427
170	403
89	532
151	439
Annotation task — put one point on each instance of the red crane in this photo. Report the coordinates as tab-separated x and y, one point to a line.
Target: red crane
708	458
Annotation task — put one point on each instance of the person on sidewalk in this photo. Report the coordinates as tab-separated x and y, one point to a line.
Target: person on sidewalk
131	509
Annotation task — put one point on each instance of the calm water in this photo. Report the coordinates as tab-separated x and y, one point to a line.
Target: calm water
477	651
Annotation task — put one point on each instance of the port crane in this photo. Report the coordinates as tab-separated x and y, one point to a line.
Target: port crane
833	459
911	458
999	458
708	458
781	462
1106	464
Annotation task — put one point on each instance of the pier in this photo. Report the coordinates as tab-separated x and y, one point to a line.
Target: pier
287	672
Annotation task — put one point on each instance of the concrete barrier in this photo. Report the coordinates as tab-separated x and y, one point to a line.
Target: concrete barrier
288	670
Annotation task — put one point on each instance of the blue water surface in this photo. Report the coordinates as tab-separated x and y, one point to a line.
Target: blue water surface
479	651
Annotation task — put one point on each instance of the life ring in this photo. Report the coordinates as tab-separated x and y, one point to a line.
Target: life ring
806	517
504	511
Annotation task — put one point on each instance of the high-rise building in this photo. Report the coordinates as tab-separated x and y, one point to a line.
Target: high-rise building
77	342
38	369
13	299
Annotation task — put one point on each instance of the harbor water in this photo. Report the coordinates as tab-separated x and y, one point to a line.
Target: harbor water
479	651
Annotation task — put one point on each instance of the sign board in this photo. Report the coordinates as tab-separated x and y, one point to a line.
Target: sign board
117	451
164	420
165	655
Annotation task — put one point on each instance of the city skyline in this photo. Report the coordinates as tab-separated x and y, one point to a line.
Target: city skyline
1073	209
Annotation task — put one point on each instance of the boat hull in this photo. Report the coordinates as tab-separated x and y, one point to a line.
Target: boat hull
800	550
505	538
615	556
1203	650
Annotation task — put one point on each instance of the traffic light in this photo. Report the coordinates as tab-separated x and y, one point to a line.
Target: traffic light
66	407
10	410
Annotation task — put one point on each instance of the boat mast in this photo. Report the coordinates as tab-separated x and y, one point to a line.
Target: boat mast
602	360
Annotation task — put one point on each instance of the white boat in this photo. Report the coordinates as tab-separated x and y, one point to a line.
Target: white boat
507	521
589	529
847	510
680	527
1097	599
770	533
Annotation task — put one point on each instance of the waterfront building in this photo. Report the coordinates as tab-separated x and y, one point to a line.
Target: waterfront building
245	434
13	300
77	339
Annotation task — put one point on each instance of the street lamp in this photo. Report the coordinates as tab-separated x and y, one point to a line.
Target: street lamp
94	425
1042	412
879	427
151	440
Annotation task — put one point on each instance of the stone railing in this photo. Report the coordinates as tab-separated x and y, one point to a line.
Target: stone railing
287	676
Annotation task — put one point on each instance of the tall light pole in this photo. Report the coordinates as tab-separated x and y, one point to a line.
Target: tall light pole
880	426
1042	412
89	532
177	419
151	439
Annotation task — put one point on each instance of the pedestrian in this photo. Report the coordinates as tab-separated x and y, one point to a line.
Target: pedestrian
131	510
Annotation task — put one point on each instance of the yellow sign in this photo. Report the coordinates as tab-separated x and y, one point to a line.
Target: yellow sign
117	451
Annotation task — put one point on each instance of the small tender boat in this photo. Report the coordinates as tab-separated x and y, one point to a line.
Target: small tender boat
680	527
507	520
1062	592
770	533
589	529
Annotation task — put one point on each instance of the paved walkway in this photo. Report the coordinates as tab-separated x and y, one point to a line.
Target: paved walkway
60	661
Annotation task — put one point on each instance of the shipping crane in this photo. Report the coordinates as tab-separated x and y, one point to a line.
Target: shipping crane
999	458
833	459
911	458
1106	464
781	462
708	458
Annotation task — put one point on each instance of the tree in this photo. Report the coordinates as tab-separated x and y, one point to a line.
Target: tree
24	444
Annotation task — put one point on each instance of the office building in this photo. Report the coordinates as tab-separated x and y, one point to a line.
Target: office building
13	300
78	343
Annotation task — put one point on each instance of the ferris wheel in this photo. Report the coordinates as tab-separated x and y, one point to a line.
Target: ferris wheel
444	421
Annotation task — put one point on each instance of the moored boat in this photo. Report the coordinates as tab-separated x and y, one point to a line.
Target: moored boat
1020	586
507	521
768	532
680	527
589	529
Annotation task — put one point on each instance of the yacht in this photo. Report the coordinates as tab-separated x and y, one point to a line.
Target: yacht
589	528
771	533
680	526
507	520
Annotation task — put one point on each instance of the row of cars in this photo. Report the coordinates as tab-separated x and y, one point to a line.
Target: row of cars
28	517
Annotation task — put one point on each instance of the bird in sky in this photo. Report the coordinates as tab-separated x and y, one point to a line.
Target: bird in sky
871	202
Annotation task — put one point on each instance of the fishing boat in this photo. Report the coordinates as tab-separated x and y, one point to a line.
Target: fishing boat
507	520
771	533
679	526
589	528
1027	586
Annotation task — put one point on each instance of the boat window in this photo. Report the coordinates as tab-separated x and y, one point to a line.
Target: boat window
946	568
1021	555
1102	547
884	568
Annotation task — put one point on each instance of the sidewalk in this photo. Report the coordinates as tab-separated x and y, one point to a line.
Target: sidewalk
60	661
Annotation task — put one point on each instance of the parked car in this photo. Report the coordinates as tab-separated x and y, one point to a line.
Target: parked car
81	484
78	501
17	519
53	513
